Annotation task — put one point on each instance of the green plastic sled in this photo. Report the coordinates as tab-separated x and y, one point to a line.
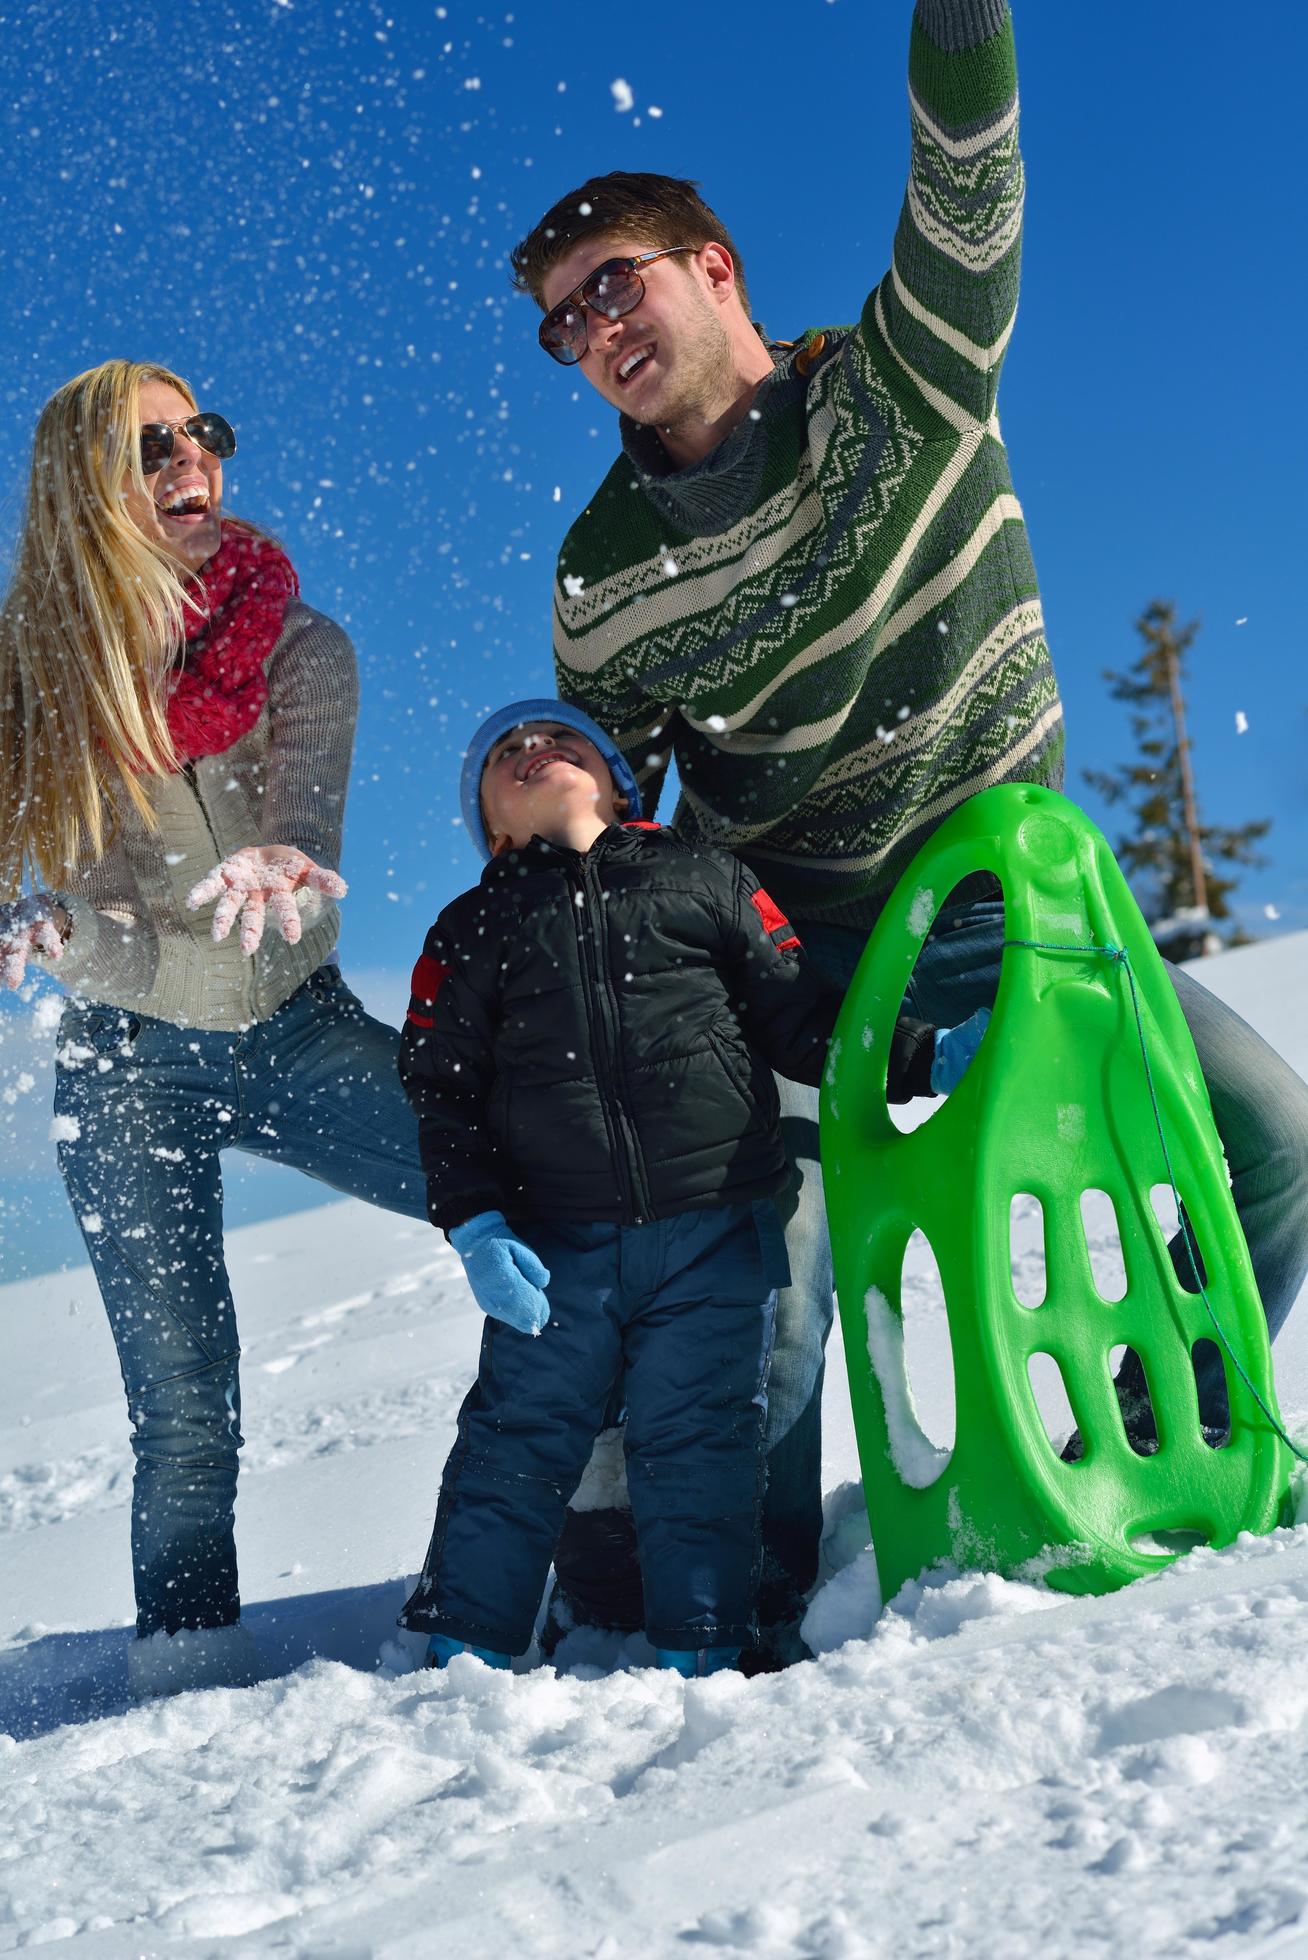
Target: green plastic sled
1057	1103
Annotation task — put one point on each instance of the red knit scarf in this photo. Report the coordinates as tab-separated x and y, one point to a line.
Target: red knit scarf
219	692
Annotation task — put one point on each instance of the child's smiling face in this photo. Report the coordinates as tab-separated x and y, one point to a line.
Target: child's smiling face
544	779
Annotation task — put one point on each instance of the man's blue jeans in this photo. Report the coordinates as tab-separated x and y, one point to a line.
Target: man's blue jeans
147	1109
1261	1109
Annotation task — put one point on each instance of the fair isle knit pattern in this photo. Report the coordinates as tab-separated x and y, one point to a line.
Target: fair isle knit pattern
841	662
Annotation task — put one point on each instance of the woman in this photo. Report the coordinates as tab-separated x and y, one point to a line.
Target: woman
167	700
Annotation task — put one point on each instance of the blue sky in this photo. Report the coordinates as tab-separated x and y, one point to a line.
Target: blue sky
307	208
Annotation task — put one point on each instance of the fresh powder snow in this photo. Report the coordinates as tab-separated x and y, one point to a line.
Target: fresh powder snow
912	1452
976	1766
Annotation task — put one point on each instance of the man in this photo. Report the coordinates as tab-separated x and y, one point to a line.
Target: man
808	580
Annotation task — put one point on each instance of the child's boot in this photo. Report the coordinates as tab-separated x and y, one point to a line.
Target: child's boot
441	1650
693	1662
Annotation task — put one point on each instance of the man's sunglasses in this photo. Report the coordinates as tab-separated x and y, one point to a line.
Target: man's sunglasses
211	432
613	289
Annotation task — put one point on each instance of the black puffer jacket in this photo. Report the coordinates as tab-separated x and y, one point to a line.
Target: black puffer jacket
592	1036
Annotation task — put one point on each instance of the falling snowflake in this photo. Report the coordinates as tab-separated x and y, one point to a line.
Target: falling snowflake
1241	722
623	99
573	586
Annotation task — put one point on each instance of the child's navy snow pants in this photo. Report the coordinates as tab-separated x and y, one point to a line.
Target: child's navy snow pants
682	1309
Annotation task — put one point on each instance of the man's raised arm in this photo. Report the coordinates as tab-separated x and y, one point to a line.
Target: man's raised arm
945	310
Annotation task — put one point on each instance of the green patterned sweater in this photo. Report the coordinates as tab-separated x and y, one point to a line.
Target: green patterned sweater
833	621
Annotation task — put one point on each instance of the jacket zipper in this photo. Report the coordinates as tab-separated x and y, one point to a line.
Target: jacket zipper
193	781
605	1023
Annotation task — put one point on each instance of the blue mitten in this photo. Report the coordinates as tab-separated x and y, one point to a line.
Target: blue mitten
955	1051
504	1273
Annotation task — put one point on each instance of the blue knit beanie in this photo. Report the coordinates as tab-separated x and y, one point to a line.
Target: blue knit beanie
514	716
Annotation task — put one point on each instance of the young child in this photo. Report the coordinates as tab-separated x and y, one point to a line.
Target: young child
589	1048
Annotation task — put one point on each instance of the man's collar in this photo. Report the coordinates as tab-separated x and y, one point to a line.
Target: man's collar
644	446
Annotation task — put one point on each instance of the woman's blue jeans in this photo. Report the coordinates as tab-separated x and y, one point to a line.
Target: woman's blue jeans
1261	1110
153	1107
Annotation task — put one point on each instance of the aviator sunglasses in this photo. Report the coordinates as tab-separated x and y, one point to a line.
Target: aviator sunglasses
212	432
613	289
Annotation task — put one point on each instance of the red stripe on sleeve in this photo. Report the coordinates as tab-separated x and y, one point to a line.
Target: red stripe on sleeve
774	921
429	976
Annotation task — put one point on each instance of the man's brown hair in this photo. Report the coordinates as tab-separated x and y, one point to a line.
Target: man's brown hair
640	205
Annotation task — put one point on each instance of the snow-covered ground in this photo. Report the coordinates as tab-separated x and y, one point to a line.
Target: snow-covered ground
983	1767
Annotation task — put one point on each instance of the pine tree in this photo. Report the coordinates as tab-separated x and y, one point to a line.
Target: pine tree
1170	856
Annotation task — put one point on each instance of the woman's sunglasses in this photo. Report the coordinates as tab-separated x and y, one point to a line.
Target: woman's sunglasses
613	289
211	432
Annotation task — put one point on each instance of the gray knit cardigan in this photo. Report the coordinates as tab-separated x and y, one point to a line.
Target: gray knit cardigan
133	944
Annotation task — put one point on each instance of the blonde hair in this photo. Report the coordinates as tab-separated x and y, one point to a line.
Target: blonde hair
90	628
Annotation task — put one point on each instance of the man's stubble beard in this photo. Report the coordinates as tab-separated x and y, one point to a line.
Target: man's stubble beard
706	386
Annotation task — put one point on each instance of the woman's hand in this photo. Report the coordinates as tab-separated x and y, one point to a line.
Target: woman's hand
260	879
29	925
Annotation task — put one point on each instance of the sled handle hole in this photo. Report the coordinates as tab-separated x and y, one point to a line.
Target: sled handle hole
1103	1244
918	1459
928	1348
1205	1359
1134	1401
1171	1542
1052	1402
1163	1200
1027	1256
931	912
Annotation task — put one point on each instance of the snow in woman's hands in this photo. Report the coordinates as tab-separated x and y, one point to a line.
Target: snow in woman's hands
262	879
27	926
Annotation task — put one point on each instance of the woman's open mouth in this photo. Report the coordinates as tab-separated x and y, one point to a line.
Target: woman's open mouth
184	506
